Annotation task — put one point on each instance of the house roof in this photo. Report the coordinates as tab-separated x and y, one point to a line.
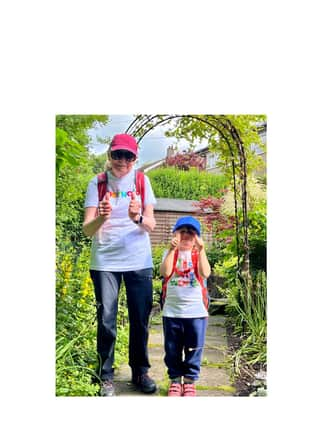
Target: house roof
149	166
175	205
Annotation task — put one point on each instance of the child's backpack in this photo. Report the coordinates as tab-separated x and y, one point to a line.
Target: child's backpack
139	185
204	289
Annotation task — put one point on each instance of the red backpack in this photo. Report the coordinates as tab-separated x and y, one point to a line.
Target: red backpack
138	180
204	289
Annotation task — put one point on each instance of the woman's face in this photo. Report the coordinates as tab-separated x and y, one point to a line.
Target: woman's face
122	161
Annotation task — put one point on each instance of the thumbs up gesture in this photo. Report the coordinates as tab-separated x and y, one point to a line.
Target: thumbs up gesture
175	241
134	207
199	244
105	208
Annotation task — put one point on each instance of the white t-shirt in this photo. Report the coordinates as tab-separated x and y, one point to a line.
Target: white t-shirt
184	293
120	244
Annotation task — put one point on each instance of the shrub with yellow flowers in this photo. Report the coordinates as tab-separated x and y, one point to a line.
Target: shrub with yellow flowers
77	371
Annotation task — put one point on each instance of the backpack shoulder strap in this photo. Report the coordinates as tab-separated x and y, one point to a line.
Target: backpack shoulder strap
195	259
140	187
166	279
102	184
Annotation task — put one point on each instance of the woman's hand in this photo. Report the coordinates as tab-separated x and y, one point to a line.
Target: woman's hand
134	208
104	207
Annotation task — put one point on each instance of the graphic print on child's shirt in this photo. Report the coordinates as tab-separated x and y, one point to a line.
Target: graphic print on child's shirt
184	292
184	274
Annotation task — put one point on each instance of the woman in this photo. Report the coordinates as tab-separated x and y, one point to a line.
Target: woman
121	249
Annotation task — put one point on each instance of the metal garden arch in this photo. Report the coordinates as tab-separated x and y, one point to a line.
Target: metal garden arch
143	124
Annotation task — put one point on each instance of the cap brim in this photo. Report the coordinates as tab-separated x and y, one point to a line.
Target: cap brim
121	147
187	225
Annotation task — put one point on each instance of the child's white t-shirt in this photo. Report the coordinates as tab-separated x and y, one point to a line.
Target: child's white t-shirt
120	244
184	293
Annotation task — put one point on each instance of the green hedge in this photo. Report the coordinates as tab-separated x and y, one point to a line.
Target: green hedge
190	185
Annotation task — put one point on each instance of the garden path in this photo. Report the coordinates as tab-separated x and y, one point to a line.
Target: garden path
214	377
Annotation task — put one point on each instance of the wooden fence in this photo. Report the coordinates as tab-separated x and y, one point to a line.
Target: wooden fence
166	213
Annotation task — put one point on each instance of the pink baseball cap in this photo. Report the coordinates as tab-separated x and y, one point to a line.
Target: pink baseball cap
124	141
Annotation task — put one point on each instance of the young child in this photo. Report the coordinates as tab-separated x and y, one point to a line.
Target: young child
185	311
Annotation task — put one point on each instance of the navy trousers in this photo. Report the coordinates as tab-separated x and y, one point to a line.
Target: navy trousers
139	299
184	340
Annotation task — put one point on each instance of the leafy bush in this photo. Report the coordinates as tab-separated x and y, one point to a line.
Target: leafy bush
185	161
71	185
257	221
76	358
258	237
157	254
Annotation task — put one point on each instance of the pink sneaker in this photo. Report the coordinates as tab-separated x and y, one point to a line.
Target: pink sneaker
175	390
189	390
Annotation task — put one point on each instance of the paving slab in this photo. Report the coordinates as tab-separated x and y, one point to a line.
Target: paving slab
214	377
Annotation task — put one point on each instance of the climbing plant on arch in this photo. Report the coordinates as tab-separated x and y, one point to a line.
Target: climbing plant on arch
229	136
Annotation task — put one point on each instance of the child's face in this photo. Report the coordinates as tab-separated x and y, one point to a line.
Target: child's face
187	237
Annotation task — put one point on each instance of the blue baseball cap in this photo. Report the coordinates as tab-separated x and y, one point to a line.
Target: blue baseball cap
188	221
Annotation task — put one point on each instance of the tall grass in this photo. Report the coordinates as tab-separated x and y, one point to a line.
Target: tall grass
248	308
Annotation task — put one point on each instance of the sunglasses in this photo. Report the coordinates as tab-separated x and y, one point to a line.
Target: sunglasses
123	154
188	230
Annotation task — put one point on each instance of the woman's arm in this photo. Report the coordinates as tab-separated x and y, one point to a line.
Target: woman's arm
148	222
92	222
94	217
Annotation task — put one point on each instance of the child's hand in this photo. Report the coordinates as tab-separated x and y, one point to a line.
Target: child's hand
199	244
175	241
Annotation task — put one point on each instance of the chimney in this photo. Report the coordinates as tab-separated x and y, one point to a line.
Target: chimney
170	151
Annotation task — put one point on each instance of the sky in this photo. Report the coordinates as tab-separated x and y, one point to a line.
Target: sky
152	147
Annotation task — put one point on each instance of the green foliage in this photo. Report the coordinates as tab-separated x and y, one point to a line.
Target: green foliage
189	185
258	237
219	136
97	163
226	268
71	186
247	306
72	138
67	151
76	126
77	372
256	194
76	357
257	219
76	366
157	254
74	170
75	331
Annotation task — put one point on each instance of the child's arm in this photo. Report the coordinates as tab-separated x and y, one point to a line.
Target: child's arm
204	266
167	263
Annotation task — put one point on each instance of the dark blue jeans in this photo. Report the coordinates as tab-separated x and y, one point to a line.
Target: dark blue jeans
139	299
183	342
